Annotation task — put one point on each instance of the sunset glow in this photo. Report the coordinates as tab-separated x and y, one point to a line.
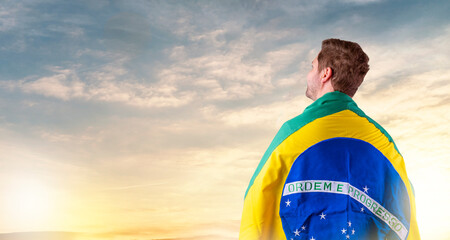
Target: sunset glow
146	119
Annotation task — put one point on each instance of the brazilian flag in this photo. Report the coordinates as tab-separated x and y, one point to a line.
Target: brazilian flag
330	173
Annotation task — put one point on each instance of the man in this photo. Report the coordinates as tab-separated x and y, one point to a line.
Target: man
331	172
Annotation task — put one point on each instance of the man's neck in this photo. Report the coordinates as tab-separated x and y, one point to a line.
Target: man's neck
324	91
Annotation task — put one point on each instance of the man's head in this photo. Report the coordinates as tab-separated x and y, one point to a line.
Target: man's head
339	66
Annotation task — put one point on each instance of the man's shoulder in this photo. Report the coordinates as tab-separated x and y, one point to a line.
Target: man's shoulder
334	112
329	104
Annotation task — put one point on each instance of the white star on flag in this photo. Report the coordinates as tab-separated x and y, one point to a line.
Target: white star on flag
303	228
344	231
288	203
297	233
312	238
362	209
348	236
353	231
322	216
366	189
349	223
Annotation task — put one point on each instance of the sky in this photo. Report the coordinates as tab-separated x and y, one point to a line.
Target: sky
146	119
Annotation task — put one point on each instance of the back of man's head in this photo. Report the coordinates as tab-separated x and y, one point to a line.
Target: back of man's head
348	62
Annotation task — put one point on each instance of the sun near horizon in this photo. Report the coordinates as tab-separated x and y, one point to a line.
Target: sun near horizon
146	119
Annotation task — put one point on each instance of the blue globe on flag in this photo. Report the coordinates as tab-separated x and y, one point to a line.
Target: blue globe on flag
344	188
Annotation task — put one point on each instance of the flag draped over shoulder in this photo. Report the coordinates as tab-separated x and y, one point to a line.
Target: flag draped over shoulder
330	173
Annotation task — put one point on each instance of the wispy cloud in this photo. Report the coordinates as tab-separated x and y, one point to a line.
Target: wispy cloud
104	85
361	1
39	236
405	59
9	15
231	73
159	111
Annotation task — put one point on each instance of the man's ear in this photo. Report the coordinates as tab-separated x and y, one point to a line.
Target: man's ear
326	74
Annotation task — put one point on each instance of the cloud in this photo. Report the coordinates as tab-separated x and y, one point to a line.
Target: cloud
192	107
70	31
73	139
222	230
226	75
103	85
23	26
9	15
231	73
205	237
39	236
405	59
361	1
127	33
132	186
55	86
270	116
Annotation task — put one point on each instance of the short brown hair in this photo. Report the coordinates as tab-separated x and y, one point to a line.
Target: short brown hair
348	62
